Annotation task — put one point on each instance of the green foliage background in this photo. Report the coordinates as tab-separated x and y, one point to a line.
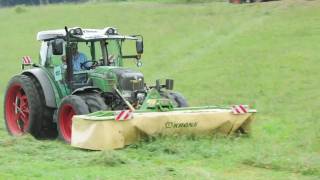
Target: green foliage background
264	54
44	2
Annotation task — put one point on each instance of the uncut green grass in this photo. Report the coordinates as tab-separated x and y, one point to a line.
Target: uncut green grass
264	54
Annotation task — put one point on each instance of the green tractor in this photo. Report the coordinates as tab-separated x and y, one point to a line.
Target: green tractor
43	99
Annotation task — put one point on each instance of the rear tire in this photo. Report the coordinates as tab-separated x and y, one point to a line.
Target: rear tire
25	110
49	128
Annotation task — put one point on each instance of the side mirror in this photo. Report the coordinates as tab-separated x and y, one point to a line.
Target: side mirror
57	47
139	46
169	84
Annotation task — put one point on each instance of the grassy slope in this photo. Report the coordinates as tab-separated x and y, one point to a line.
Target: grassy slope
263	54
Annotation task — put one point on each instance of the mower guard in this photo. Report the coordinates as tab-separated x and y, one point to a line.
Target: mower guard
100	130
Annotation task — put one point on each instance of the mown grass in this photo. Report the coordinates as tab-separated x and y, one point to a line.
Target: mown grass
264	54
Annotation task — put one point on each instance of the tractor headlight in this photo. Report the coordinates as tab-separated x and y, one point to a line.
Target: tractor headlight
110	31
140	97
76	31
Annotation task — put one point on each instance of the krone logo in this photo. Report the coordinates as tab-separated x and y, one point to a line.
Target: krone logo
181	125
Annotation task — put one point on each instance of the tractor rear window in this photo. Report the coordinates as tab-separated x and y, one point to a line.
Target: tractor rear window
85	49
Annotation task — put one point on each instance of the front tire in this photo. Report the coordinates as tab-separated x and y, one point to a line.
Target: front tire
70	106
94	101
77	105
179	99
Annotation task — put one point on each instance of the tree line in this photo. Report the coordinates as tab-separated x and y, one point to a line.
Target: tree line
33	2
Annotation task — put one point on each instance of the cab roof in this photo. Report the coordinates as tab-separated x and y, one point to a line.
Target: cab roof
87	34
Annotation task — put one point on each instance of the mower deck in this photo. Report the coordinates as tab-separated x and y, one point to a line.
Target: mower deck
100	130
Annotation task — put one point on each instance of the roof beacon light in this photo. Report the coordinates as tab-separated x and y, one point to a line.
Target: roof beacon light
76	31
110	31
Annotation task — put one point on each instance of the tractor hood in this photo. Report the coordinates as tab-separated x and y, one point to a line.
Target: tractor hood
129	79
105	77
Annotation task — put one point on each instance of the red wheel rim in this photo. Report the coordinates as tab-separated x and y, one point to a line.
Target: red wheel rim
65	121
17	110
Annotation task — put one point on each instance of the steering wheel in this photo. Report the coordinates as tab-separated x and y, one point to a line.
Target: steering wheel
89	65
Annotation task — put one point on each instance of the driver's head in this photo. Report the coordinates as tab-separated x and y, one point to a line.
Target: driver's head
74	48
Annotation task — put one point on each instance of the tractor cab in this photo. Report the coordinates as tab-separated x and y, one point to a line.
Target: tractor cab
70	54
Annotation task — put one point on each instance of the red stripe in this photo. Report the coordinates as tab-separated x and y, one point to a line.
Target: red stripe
236	109
26	60
29	59
119	115
242	108
127	115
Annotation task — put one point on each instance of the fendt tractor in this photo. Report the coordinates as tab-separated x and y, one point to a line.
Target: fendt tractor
81	91
43	99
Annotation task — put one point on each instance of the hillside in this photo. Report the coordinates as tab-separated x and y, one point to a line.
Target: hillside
263	54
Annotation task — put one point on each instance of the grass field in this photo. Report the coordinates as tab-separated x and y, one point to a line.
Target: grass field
264	54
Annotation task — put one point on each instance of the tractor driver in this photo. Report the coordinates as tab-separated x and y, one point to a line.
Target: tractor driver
78	58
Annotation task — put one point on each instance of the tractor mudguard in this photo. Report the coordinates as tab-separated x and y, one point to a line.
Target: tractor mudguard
46	86
86	89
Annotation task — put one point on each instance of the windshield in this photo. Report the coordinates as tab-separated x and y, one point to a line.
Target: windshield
94	51
99	52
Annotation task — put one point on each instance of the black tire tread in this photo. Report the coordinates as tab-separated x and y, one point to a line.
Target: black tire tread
36	105
94	101
179	99
49	128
